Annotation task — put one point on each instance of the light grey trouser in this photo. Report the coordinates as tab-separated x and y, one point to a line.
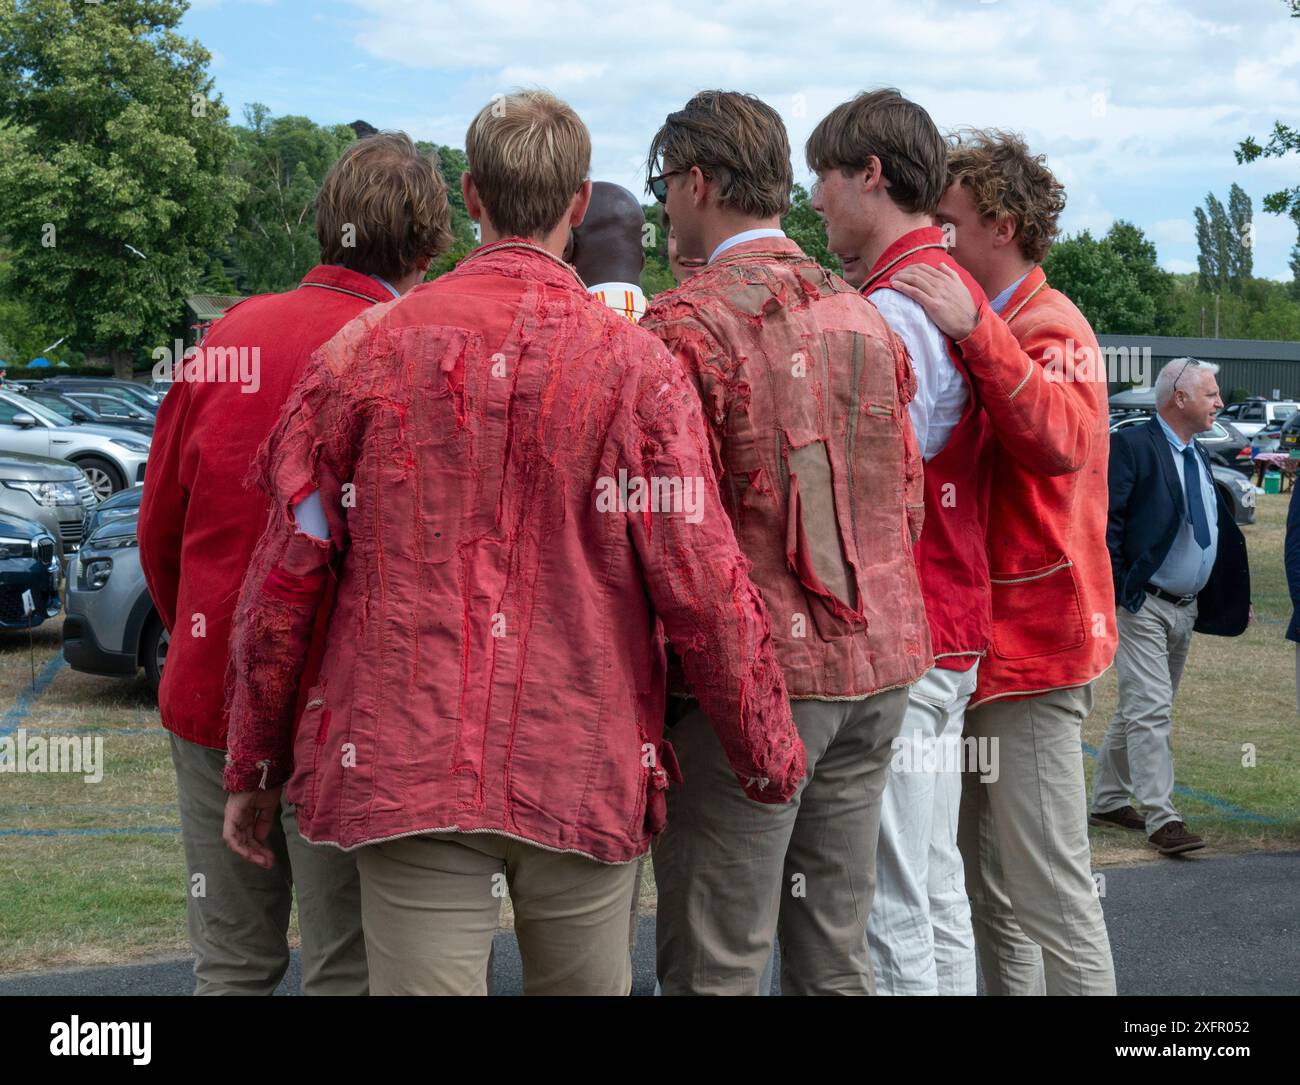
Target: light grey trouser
733	873
1024	839
1137	756
920	927
237	914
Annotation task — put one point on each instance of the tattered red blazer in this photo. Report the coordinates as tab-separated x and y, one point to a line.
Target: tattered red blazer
806	390
494	661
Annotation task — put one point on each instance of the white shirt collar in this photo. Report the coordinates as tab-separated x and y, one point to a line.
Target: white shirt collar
741	238
613	287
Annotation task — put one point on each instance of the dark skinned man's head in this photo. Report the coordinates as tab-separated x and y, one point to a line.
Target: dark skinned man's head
607	247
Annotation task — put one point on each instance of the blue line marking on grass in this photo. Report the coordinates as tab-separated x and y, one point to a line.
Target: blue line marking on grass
104	732
27	697
88	832
1236	813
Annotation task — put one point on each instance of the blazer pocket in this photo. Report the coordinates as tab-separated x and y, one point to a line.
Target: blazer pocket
1036	612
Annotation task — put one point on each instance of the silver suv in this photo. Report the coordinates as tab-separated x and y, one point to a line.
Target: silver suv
111	626
112	458
54	493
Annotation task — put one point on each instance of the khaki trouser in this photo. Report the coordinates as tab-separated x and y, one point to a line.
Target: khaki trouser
920	928
1136	757
238	914
733	873
1024	839
431	904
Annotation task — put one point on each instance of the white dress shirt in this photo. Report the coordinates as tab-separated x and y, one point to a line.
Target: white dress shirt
940	390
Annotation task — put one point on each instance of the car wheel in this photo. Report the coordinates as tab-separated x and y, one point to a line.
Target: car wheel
105	479
153	649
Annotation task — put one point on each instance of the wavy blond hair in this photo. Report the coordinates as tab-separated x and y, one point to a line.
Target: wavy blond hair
1005	179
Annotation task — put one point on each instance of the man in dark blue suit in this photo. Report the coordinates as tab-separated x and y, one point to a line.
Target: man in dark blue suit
1179	562
1293	581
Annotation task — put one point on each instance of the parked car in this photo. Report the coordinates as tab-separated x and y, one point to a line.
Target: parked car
135	391
1239	491
1252	415
112	458
29	562
1223	442
1269	438
54	493
111	627
1289	438
97	408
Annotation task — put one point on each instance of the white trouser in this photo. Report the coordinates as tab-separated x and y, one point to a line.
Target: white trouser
920	927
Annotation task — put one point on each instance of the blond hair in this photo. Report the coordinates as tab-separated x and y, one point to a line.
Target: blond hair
528	153
1005	180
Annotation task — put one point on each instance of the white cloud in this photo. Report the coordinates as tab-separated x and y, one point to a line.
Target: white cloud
1122	95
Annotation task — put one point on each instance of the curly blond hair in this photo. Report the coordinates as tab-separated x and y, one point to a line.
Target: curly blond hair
1004	179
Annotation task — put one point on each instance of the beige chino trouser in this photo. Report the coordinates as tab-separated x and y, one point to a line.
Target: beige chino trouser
432	905
733	874
1037	917
237	914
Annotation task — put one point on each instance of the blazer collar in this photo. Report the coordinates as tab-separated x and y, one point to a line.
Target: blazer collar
345	281
928	237
1034	283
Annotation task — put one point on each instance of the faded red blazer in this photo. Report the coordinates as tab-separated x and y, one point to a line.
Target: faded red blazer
494	661
198	520
805	389
1042	380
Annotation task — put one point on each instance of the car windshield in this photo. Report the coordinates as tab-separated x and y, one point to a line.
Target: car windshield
1285	410
55	407
31	406
113	406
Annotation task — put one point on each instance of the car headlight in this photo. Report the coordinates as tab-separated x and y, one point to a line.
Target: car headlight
16	548
47	494
133	446
95	573
107	538
1244	486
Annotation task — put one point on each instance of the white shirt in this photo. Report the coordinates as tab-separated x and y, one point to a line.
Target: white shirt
625	298
742	237
940	391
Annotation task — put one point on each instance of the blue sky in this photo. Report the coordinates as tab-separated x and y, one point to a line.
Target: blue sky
1138	104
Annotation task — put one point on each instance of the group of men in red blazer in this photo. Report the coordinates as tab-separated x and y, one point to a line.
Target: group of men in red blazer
865	513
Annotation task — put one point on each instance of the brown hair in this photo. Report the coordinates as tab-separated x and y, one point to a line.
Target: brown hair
735	138
529	153
382	208
898	132
1004	179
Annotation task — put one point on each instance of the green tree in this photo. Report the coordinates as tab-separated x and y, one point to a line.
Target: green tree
452	163
805	227
1115	281
1241	238
281	162
1216	256
113	167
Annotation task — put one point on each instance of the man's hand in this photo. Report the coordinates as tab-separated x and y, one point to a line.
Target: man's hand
942	295
250	816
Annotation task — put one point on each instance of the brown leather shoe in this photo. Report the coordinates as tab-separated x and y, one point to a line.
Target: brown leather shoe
1172	838
1123	818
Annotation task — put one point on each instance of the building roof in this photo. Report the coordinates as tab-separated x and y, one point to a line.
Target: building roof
1209	350
211	306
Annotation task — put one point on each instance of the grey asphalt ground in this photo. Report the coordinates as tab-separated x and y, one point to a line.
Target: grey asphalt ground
1207	926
